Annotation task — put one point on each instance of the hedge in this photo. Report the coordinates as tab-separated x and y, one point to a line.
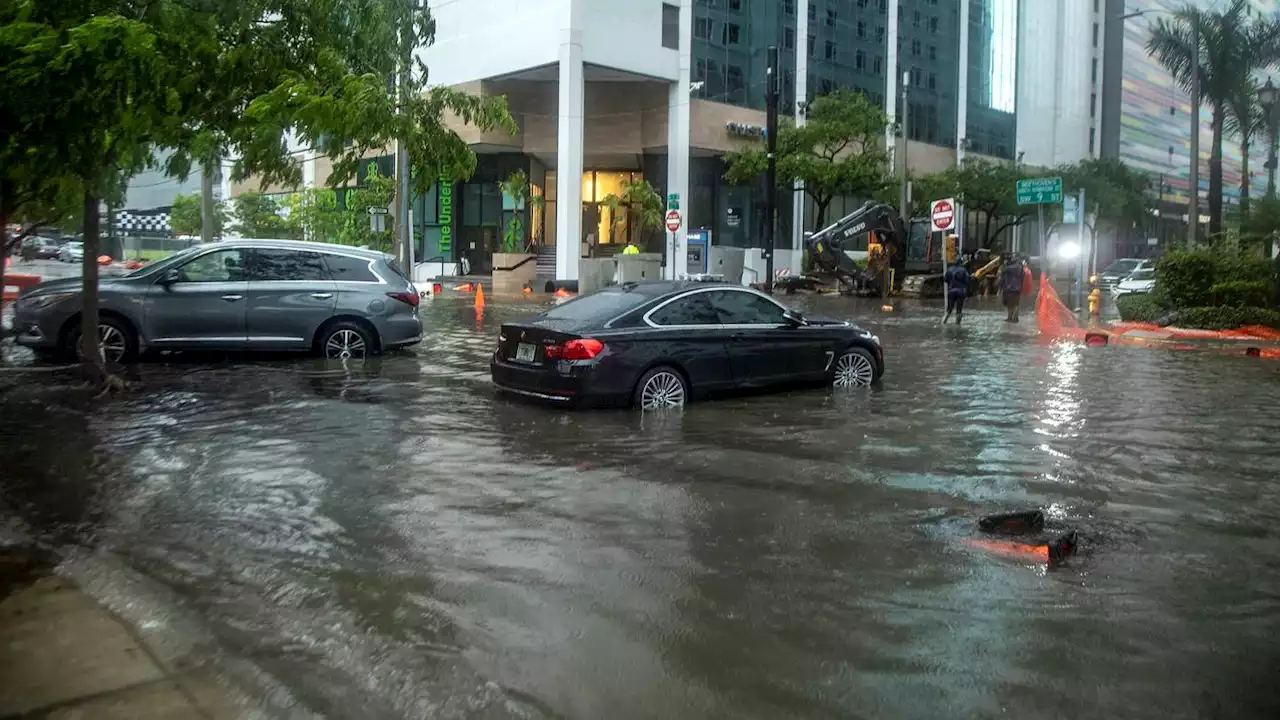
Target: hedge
1202	278
1241	293
1145	308
1140	308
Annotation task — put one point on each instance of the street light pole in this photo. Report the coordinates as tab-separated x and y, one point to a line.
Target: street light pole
771	172
1268	95
1193	177
904	200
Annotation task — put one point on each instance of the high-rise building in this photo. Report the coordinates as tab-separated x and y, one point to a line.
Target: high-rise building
604	92
1144	119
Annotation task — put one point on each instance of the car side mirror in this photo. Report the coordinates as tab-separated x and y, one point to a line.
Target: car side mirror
169	277
794	319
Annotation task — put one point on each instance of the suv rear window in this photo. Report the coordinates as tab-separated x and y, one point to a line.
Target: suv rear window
600	307
345	268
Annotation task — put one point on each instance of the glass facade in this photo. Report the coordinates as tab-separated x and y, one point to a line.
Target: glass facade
991	128
928	45
847	42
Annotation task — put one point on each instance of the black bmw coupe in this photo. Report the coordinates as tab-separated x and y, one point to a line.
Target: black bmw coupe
662	344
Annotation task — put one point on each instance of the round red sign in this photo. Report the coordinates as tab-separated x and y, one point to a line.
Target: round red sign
673	220
943	215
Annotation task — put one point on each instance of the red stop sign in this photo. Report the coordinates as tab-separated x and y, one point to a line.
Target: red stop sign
943	215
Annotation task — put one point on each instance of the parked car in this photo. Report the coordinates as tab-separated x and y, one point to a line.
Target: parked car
339	301
1118	270
71	251
1142	280
661	344
38	248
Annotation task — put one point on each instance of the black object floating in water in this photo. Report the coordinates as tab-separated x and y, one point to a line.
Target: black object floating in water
1063	546
1023	521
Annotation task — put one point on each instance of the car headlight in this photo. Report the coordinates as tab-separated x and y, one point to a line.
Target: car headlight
35	302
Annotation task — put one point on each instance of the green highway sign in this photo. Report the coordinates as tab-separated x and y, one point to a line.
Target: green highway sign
673	201
1040	191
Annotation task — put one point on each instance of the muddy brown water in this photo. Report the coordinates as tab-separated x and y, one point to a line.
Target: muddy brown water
395	540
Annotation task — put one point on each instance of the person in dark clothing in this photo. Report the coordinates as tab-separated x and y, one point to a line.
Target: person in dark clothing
957	281
1011	277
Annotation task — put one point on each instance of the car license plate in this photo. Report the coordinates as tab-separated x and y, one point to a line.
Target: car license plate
526	352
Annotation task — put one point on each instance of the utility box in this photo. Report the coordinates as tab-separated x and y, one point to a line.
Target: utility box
726	262
642	267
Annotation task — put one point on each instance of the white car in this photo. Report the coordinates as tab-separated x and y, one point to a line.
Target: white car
1142	280
71	252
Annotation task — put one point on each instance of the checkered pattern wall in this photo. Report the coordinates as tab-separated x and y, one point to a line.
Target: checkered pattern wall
139	222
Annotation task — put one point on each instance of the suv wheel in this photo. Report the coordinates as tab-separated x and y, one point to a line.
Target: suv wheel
346	340
117	341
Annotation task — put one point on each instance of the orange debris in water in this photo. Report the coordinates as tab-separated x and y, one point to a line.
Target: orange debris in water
563	293
104	259
528	289
887	308
1018	551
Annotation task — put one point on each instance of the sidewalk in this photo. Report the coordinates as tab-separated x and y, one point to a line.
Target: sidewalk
64	656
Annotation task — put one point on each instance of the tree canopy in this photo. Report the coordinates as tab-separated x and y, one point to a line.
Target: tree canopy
837	152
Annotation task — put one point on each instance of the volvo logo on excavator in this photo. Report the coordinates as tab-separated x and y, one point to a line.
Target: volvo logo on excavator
856	230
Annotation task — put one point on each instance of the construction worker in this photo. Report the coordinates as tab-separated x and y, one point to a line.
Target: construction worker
957	281
1011	282
630	249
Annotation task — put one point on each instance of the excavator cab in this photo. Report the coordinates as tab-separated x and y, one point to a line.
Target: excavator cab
885	239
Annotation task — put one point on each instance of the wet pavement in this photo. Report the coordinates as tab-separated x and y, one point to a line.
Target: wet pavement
395	540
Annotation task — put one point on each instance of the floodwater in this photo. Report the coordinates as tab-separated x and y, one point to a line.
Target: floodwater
395	540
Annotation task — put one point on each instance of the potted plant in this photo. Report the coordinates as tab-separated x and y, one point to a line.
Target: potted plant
514	265
645	210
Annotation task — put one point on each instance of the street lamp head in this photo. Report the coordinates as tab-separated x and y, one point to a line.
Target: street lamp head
1268	94
1069	250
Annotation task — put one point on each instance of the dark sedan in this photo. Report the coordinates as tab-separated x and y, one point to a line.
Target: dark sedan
654	345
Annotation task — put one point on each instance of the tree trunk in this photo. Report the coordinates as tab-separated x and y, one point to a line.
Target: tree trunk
986	230
91	360
1215	172
820	216
1244	177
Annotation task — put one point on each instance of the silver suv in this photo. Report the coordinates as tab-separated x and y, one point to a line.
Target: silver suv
339	301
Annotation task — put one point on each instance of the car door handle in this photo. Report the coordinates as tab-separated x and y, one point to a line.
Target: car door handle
322	296
232	298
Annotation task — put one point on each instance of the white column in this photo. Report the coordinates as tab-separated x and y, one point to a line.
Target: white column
802	96
678	144
569	156
962	95
891	84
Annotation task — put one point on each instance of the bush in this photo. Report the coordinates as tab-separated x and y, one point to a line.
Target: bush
1241	293
1140	308
1186	276
1244	267
1227	318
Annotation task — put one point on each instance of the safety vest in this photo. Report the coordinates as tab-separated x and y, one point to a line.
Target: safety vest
631	250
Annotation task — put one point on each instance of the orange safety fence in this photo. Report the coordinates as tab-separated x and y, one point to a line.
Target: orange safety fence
1055	320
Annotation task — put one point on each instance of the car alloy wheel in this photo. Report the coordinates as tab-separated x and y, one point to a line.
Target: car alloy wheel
663	389
345	344
853	369
113	343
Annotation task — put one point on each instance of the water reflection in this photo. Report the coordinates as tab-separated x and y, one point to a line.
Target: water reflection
395	540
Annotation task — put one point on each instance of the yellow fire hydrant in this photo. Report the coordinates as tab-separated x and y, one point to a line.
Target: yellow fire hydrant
1095	303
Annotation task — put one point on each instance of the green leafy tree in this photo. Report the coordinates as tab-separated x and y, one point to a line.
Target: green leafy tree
1233	44
988	189
258	215
1117	191
836	153
186	216
108	82
1246	120
639	205
517	189
377	192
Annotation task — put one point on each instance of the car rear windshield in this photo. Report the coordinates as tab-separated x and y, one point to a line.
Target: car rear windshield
600	307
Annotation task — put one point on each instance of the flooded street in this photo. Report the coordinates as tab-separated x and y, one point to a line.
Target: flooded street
395	540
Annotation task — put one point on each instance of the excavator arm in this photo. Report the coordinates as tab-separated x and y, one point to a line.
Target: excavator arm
827	246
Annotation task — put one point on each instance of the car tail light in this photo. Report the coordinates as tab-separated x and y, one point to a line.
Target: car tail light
408	298
584	349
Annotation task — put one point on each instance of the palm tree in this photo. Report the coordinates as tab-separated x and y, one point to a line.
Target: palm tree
1246	120
1232	45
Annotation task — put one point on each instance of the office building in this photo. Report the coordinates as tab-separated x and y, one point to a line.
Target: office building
606	91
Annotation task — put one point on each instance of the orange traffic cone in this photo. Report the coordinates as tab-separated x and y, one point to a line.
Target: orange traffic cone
479	295
465	288
562	293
